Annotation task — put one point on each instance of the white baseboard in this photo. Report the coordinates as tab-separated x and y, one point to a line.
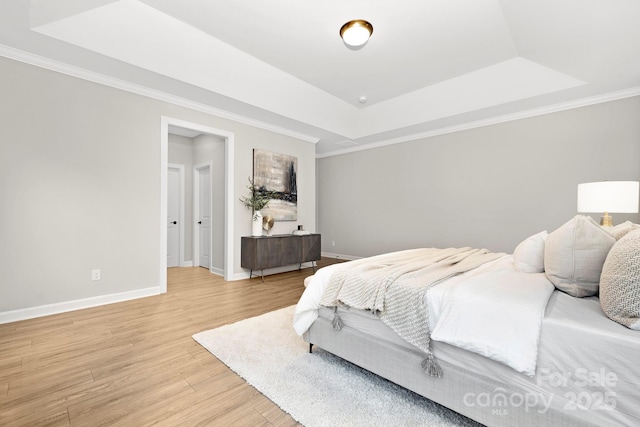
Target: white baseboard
217	271
270	271
63	307
187	264
340	256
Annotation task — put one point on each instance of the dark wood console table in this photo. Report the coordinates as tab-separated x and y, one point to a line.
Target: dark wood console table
258	253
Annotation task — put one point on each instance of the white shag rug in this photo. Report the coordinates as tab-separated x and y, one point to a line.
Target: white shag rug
317	389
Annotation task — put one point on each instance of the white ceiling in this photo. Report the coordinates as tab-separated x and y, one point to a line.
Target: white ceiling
429	66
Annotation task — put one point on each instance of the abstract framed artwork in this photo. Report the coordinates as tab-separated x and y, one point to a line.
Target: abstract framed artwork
277	173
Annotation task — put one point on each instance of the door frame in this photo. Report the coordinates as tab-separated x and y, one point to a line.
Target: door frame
181	214
196	210
229	144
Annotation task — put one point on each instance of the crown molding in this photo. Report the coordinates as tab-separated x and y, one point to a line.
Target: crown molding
92	76
63	68
583	102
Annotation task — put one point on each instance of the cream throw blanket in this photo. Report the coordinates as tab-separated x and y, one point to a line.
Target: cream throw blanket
395	285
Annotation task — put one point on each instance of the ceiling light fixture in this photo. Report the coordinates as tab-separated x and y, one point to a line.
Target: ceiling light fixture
356	33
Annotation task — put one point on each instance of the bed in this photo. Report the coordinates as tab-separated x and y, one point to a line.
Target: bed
516	341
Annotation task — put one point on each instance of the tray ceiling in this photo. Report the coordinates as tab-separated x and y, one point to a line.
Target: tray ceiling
429	66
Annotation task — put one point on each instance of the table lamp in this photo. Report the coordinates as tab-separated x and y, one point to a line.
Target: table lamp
608	196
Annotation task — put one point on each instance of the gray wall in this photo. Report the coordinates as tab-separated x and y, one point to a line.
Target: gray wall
80	186
486	187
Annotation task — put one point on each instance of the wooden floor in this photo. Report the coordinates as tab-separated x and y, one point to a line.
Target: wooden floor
135	364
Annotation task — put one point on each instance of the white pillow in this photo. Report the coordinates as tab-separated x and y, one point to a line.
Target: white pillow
574	255
620	282
529	254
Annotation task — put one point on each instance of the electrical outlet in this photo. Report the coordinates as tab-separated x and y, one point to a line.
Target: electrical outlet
333	243
95	274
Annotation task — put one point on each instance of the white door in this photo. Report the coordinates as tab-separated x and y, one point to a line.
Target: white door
204	216
173	217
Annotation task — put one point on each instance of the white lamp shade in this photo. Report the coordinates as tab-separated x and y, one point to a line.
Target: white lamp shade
609	196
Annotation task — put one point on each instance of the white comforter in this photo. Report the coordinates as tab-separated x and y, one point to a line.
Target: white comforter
493	310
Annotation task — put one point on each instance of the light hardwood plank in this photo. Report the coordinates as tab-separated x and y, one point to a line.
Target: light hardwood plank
135	364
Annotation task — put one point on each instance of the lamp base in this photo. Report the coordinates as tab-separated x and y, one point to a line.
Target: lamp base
606	220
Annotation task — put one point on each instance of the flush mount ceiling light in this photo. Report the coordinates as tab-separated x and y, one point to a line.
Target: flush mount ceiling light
356	33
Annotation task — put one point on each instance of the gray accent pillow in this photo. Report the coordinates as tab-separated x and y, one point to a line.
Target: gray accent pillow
620	230
620	282
574	255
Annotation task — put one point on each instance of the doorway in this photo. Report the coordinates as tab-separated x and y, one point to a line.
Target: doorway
227	199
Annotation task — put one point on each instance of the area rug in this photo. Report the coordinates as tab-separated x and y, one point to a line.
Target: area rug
317	389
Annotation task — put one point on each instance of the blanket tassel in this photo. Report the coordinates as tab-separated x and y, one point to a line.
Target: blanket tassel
336	323
431	366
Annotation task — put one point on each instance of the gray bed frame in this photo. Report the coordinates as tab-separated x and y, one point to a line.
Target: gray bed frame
402	366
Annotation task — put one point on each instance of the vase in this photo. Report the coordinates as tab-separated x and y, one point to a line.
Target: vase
256	224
